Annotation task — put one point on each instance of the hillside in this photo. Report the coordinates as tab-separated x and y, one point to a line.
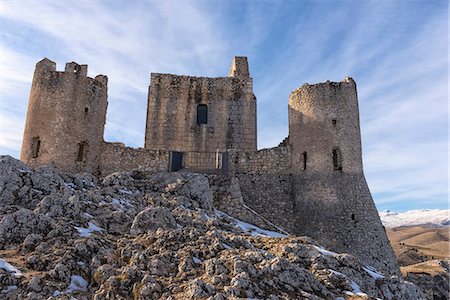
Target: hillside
157	236
429	217
423	253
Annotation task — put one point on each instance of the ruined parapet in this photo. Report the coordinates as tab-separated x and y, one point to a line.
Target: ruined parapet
239	67
324	128
65	118
200	114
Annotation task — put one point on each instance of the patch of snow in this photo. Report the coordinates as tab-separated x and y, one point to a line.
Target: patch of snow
77	283
435	217
373	272
9	268
128	192
70	185
102	202
250	228
24	171
9	288
56	293
88	215
226	246
88	231
196	260
325	251
122	203
336	272
37	191
356	290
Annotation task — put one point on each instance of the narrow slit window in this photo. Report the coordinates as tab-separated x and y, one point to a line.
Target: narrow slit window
202	114
337	159
35	146
304	160
334	122
81	150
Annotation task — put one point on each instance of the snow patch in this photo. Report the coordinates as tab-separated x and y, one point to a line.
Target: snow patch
88	231
196	260
356	290
77	284
250	228
122	203
373	272
128	192
9	288
226	246
9	268
325	251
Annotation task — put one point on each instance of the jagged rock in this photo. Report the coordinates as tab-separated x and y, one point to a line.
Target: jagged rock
151	219
15	227
157	236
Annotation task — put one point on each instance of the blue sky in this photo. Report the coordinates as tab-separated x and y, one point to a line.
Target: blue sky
397	51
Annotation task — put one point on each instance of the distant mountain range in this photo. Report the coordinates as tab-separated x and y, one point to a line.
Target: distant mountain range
431	217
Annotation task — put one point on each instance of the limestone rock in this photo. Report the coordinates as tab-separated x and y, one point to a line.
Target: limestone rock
157	236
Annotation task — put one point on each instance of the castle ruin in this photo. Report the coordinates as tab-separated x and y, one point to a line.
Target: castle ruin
311	184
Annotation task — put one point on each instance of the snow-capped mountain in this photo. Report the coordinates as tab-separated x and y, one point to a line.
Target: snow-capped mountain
433	217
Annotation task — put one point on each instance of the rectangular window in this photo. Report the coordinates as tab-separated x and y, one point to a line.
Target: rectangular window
81	149
202	114
35	145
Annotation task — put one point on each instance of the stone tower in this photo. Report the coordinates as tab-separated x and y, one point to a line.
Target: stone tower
200	114
65	118
331	200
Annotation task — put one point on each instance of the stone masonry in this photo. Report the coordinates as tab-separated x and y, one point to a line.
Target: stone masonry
311	184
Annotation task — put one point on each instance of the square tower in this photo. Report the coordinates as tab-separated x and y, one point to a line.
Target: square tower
201	114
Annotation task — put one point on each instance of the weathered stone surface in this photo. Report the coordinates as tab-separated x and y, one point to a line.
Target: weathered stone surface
174	251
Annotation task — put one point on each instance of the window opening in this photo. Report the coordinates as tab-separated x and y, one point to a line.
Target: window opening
81	149
202	114
337	159
35	145
304	159
334	122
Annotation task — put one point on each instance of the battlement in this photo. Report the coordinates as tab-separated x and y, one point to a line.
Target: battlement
47	66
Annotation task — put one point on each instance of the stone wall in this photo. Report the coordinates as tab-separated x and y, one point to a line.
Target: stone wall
116	157
272	160
65	118
173	102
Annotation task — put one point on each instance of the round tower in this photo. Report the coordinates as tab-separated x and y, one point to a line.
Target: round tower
332	202
65	119
324	128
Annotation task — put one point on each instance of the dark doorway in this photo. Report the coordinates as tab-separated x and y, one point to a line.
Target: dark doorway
175	161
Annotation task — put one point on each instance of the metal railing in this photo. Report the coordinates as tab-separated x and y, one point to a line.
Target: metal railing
206	162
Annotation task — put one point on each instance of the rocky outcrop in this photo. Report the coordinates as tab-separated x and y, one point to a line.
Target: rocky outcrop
157	236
